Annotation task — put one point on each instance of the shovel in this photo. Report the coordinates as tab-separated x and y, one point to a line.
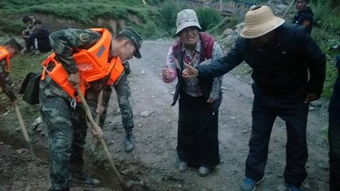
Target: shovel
94	125
24	130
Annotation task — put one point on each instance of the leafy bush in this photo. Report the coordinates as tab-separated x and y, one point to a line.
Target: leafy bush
224	24
327	34
168	13
325	18
152	31
86	12
11	26
208	18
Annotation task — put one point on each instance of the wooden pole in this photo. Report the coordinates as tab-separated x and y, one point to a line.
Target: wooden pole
24	130
94	125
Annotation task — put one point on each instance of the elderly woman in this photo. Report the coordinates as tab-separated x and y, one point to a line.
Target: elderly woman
198	100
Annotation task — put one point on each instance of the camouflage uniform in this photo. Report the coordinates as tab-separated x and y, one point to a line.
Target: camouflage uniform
6	83
66	125
123	92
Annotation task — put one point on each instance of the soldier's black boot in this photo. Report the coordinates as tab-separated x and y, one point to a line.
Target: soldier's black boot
129	143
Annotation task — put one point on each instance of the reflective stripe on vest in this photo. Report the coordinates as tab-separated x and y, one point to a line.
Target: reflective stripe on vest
93	64
4	54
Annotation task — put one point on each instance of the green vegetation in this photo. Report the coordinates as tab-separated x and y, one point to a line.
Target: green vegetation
168	13
133	12
208	18
154	20
327	34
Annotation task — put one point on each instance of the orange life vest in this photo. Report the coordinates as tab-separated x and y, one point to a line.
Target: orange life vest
93	64
4	54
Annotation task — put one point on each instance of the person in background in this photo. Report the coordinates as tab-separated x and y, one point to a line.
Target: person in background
28	21
39	39
304	16
7	51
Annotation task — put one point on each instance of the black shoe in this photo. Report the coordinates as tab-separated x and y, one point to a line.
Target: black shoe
129	141
85	180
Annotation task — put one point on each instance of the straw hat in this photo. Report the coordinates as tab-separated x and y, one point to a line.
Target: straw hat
259	21
187	18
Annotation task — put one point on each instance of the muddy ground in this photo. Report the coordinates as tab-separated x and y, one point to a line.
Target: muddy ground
154	160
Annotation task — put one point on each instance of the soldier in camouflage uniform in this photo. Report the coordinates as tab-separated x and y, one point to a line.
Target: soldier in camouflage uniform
123	92
6	84
67	124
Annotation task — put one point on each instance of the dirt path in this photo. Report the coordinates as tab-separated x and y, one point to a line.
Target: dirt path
154	160
156	134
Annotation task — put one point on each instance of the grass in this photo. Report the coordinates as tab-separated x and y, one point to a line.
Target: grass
327	34
85	12
21	65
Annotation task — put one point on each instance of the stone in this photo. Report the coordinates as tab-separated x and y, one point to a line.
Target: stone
19	151
145	114
227	32
6	113
245	131
37	122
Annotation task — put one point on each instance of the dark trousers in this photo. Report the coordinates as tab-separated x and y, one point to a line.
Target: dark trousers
197	142
293	111
334	138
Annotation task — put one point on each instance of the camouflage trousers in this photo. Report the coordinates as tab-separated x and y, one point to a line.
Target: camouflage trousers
123	92
66	132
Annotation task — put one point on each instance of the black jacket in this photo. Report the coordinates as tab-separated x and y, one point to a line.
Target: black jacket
304	15
282	68
42	36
